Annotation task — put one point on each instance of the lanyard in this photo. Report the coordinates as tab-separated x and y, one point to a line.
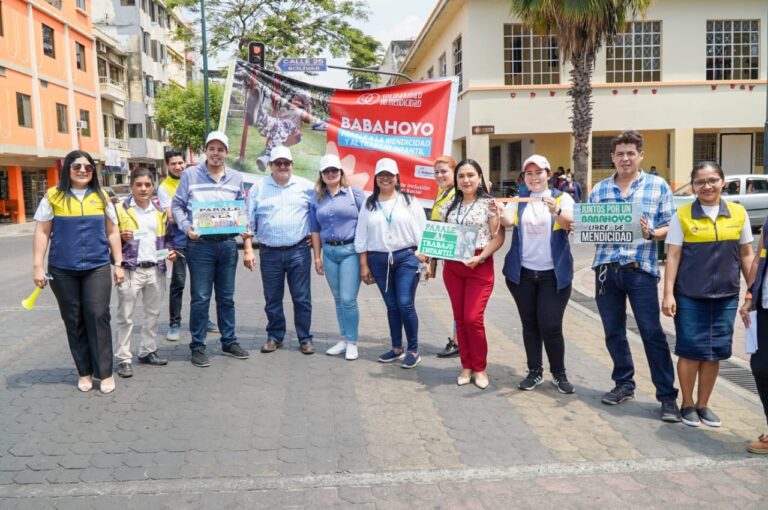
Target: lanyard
391	212
461	219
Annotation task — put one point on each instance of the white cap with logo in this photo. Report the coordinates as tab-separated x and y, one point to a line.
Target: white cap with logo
539	161
280	152
330	161
386	165
217	135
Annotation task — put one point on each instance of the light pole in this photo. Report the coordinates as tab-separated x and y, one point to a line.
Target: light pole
205	69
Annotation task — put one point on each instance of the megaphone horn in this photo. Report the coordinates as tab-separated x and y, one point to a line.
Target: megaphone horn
29	303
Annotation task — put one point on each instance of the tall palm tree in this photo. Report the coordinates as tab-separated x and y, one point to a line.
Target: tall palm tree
580	28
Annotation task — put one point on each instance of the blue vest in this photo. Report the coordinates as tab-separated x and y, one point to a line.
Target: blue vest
561	249
757	285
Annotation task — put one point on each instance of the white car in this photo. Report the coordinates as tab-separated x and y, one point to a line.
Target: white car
749	190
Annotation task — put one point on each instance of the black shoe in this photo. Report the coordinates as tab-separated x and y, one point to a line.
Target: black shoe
669	411
618	395
199	359
235	351
153	359
124	369
451	349
561	383
533	379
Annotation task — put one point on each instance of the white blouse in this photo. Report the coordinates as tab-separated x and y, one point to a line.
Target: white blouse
392	226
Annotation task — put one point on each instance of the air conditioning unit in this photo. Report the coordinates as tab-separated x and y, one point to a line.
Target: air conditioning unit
81	124
101	47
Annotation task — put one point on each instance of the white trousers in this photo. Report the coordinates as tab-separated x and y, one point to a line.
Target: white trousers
148	283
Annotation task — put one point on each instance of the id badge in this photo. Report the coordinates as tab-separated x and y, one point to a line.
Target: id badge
140	234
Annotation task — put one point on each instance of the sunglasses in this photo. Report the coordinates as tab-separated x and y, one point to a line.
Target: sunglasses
330	170
282	162
77	166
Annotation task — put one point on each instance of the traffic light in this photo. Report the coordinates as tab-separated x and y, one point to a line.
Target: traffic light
256	53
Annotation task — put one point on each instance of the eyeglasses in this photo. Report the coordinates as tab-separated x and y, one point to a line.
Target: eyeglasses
329	171
282	162
712	182
77	166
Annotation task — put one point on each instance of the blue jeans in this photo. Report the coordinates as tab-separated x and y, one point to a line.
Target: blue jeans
212	264
276	265
342	270
399	293
640	288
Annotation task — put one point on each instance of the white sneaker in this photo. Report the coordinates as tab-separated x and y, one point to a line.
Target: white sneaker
351	351
340	347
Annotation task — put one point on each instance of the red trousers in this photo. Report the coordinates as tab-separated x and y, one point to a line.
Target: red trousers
469	290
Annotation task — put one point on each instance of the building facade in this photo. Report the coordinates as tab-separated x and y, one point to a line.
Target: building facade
49	89
693	81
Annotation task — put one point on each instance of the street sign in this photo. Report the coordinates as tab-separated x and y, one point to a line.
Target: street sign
483	130
301	64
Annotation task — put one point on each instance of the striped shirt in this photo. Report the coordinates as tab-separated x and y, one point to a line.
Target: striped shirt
279	215
654	197
197	185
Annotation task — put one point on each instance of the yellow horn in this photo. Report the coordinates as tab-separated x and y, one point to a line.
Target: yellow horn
29	303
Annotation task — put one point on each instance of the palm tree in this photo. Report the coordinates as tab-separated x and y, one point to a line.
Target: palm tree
580	28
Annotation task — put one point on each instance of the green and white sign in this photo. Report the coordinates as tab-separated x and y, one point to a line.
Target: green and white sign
448	241
607	222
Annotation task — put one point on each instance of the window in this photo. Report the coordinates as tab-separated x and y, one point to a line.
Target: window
119	129
1	19
733	49
135	131
634	55
152	11
24	109
760	149
457	62
430	73
80	4
62	119
127	2
442	66
80	56
85	117
49	49
150	125
144	6
149	89
704	147
529	58
601	152
757	186
147	43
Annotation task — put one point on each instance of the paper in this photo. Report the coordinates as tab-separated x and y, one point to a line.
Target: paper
140	234
448	241
750	334
219	217
162	254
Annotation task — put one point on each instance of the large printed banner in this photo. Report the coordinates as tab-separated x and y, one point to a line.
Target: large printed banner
410	123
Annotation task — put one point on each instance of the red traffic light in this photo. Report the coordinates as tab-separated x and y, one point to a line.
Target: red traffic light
256	53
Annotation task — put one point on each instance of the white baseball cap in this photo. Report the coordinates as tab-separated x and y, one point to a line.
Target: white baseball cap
330	161
217	135
539	161
386	165
280	152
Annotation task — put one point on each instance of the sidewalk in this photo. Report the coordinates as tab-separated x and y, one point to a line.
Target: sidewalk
16	229
290	431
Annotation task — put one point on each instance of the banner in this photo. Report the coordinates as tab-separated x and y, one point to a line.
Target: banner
410	123
607	222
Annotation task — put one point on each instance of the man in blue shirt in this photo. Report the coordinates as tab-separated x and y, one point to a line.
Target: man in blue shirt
212	259
630	271
278	209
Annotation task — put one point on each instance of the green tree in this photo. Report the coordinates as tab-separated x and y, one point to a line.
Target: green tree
181	111
287	28
580	27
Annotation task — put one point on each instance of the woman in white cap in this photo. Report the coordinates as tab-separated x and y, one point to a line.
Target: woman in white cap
388	233
539	271
333	216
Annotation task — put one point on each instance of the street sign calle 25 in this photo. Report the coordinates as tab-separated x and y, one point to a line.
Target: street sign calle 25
302	64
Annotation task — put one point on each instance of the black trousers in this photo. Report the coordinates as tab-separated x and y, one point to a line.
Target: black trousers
541	308
83	298
176	291
759	360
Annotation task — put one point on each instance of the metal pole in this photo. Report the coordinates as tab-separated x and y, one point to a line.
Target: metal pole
205	69
372	71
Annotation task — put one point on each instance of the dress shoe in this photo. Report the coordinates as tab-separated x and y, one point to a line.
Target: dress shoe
108	385
481	380
124	369
271	345
153	359
464	379
85	383
307	347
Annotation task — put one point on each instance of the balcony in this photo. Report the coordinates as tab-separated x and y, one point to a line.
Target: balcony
111	89
116	143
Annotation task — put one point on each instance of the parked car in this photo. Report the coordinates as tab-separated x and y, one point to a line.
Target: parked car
111	194
749	190
121	191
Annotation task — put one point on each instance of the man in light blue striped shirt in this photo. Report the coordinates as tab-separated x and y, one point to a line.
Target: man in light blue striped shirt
278	210
212	259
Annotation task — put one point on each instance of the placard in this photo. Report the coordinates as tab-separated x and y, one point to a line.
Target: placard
448	241
219	217
607	223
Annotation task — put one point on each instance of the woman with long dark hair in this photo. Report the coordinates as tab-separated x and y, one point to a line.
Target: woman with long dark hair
470	282
388	233
78	221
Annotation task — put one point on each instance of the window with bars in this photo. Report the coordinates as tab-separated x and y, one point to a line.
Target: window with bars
529	58
62	119
80	56
24	109
635	54
135	131
457	62
733	49
49	45
704	147
760	149
601	152
147	43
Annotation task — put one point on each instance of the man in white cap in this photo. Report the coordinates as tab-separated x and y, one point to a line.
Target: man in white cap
212	259
278	209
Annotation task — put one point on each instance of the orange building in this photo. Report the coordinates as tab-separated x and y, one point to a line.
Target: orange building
50	95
